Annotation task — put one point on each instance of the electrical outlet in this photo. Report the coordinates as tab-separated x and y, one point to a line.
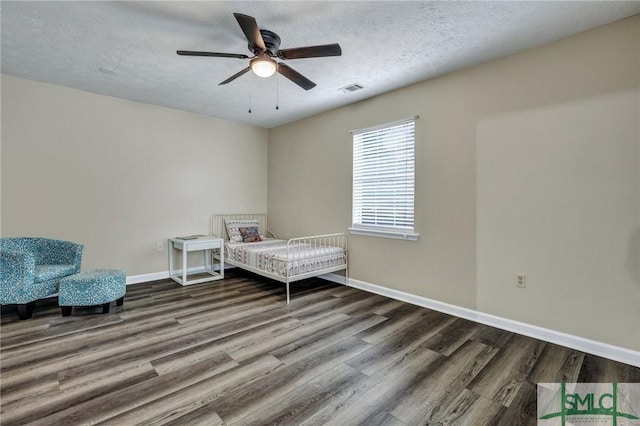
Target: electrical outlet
521	280
159	246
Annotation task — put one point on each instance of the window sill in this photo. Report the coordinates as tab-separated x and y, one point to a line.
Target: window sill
408	236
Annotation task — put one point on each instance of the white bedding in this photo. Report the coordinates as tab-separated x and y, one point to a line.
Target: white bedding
271	256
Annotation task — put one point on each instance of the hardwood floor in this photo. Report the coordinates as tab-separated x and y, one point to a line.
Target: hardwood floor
232	352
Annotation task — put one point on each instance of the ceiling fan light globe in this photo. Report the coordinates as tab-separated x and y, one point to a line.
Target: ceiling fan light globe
263	67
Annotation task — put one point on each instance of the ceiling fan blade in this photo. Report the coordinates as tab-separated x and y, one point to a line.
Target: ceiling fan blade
311	51
236	75
214	54
295	76
250	29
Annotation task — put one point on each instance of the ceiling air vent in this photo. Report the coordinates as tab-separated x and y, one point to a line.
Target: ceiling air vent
352	88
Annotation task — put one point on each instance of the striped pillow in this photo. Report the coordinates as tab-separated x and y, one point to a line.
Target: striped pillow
234	225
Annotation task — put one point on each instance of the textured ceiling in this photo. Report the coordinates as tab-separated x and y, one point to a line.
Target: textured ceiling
127	49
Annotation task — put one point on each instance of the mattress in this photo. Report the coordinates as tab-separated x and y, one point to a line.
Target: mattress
271	256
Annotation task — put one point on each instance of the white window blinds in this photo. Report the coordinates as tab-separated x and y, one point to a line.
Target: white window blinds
384	177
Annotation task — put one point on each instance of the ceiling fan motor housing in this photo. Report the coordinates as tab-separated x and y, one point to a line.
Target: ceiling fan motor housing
271	42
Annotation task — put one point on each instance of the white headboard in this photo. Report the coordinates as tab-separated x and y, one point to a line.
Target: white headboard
218	228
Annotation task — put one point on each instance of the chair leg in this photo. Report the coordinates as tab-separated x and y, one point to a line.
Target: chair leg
105	308
66	310
120	301
25	311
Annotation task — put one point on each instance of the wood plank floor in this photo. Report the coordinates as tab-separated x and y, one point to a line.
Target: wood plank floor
233	353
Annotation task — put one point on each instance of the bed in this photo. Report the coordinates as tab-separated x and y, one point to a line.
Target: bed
250	246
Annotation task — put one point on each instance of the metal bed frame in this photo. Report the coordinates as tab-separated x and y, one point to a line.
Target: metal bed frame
218	228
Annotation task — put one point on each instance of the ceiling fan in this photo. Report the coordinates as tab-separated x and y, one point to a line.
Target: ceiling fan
265	46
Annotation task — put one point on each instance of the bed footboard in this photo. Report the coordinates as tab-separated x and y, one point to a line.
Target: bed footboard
316	249
315	255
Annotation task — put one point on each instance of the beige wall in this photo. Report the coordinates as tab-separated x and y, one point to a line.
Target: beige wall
558	199
119	176
525	164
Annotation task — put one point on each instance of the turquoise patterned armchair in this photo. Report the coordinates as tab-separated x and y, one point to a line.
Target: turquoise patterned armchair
31	268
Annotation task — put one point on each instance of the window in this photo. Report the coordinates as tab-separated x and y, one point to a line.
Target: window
384	180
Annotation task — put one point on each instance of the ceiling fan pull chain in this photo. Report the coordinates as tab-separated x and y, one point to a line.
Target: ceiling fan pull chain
277	87
250	90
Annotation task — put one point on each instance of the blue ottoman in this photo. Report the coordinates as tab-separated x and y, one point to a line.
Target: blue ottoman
92	288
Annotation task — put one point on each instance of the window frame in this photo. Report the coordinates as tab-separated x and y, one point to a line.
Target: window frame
377	230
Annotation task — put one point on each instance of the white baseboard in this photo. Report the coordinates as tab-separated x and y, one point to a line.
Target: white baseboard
604	350
154	276
143	278
336	278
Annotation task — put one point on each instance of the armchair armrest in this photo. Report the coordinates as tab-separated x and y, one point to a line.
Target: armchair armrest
59	252
17	269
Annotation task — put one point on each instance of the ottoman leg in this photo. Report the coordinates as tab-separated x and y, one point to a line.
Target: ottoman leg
120	301
66	310
25	311
105	308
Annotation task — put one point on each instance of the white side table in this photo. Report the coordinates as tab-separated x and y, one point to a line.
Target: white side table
204	244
